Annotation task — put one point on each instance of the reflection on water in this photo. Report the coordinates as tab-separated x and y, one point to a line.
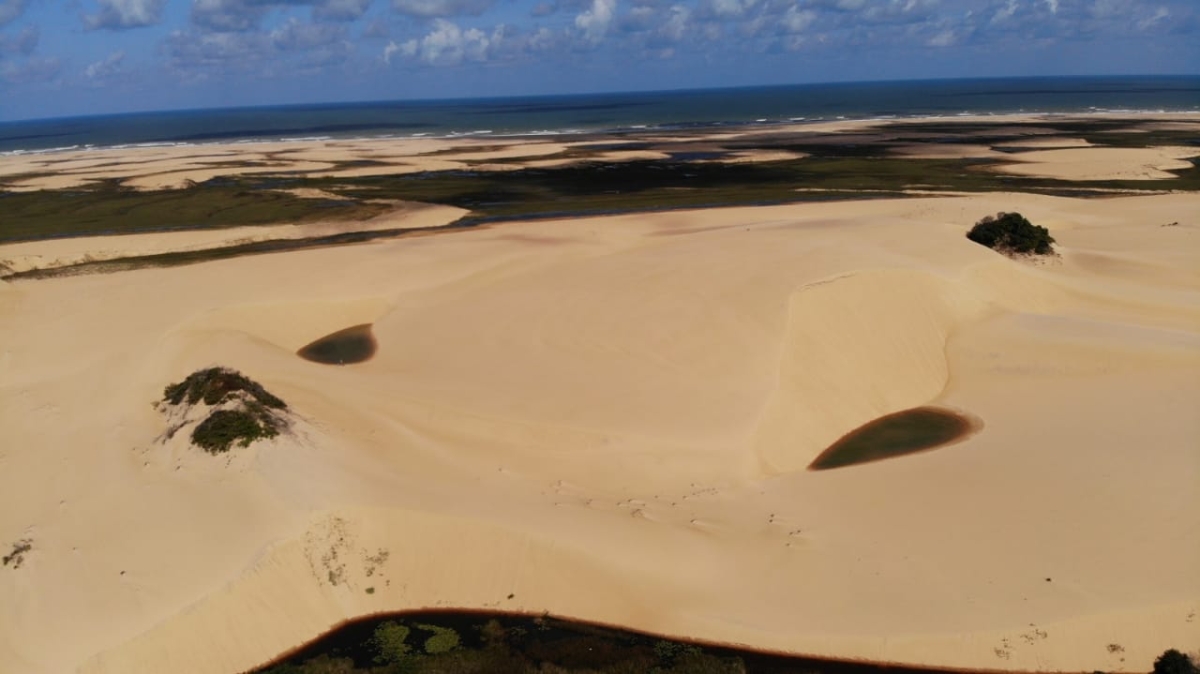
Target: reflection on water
896	434
352	345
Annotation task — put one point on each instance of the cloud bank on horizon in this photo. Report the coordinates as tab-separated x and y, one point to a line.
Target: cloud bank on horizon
87	56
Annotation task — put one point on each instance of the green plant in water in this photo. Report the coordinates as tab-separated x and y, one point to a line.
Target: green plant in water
443	640
390	642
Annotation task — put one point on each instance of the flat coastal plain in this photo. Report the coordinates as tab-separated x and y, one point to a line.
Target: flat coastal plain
610	418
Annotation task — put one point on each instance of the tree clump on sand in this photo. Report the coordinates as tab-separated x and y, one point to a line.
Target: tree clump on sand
241	410
215	385
1012	234
1175	662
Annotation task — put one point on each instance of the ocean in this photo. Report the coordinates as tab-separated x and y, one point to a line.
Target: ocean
609	112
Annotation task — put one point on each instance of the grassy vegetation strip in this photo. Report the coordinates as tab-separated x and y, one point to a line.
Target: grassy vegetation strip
180	258
108	208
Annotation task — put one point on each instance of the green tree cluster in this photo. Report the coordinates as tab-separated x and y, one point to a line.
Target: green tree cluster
1011	233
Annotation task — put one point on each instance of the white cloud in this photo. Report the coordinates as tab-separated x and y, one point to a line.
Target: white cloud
731	9
293	35
898	11
245	15
945	38
1053	6
388	50
446	45
340	10
227	15
1159	14
106	67
638	19
188	50
797	20
543	39
676	23
594	22
441	8
1005	13
120	14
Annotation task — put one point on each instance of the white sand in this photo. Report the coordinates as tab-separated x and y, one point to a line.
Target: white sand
1102	163
610	418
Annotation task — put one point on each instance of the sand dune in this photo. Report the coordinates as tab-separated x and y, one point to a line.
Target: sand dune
609	418
1101	163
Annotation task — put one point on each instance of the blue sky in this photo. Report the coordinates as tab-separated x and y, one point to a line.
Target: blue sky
69	57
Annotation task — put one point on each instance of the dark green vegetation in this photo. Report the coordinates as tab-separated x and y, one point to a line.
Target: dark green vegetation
351	345
1174	662
222	428
896	434
497	643
838	166
109	208
16	557
1012	234
216	385
250	413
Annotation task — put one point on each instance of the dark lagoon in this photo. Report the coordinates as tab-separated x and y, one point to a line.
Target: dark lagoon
483	642
352	345
914	430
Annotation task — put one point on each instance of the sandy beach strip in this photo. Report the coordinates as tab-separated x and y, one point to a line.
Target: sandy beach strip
172	167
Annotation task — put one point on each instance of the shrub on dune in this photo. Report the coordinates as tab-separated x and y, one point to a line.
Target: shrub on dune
1012	234
1174	662
239	411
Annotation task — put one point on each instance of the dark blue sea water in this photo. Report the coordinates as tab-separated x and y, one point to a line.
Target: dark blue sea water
610	112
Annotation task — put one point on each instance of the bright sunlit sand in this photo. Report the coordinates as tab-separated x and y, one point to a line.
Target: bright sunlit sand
611	418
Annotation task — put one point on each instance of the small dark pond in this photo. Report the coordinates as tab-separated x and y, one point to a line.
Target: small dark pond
352	345
468	642
897	434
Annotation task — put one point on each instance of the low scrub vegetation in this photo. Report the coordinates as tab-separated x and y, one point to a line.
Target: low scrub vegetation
19	549
243	411
223	428
215	385
1012	234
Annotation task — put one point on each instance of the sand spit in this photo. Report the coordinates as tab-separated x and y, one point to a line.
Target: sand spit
610	419
1102	163
19	257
